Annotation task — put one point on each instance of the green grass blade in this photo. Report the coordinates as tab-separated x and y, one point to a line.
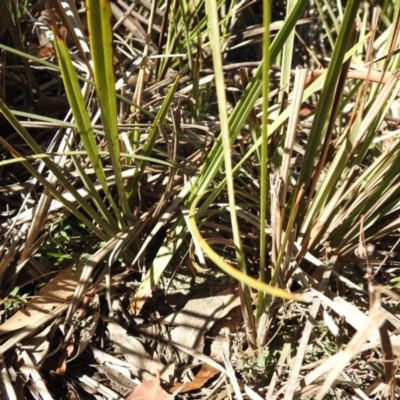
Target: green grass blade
84	127
103	233
153	135
101	43
264	179
325	103
213	24
230	270
246	102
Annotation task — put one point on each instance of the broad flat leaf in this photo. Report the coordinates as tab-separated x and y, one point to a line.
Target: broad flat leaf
198	316
205	374
149	390
142	363
52	295
119	376
38	346
60	367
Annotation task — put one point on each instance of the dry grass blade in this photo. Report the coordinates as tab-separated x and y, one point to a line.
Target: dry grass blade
32	328
310	381
232	377
388	361
97	387
163	220
375	321
31	372
191	352
89	266
67	12
169	137
6	386
142	364
252	394
292	383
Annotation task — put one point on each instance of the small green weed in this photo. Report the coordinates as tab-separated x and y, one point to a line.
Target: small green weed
257	367
15	299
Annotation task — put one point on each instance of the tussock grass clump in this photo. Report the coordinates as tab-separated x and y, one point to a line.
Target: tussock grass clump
181	136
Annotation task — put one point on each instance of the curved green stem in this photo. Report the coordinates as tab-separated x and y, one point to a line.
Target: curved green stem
229	269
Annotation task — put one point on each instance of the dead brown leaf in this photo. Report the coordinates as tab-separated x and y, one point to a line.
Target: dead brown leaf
198	316
149	390
61	363
142	363
205	374
52	295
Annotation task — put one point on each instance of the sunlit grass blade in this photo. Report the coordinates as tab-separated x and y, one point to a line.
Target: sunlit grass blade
212	12
84	127
264	179
287	55
164	256
340	166
246	102
230	270
153	135
324	107
101	38
101	233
